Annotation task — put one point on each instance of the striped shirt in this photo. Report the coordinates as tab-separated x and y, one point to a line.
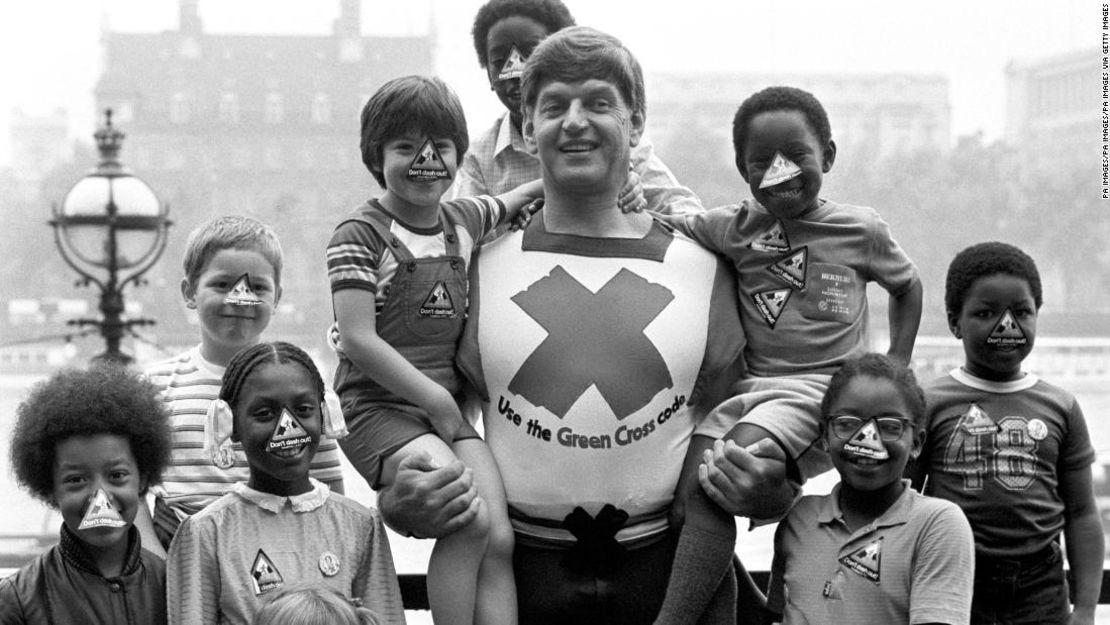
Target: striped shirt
358	258
189	384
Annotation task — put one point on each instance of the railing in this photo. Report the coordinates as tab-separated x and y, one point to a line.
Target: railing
414	589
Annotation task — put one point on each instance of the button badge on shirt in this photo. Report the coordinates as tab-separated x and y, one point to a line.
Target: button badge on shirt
329	564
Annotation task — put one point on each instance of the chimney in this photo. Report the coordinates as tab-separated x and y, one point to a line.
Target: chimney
189	21
349	23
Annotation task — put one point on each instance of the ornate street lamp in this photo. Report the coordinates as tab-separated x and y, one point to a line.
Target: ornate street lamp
110	228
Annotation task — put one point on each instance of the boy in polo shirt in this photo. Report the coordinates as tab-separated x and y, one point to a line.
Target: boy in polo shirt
873	550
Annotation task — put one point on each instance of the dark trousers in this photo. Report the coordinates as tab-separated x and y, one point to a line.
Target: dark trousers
555	588
1031	590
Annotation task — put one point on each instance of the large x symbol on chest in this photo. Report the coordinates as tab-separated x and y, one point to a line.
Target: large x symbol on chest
594	339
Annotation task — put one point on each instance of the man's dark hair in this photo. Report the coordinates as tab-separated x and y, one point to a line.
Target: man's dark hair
579	53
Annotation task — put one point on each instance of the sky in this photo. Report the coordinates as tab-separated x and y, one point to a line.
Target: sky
50	55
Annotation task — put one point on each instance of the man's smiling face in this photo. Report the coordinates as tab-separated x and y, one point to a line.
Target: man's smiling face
582	133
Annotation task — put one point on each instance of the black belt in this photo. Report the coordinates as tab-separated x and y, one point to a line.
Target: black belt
596	547
984	562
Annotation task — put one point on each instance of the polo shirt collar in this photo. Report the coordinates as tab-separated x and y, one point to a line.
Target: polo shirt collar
508	137
305	502
897	514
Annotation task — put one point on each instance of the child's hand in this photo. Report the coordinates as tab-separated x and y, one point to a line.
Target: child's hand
746	481
524	217
631	199
447	429
447	420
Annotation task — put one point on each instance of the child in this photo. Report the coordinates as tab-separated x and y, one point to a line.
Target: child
281	526
505	33
233	281
873	551
1011	449
88	443
313	605
398	277
802	264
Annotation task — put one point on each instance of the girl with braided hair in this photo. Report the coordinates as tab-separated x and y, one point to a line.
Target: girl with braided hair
281	526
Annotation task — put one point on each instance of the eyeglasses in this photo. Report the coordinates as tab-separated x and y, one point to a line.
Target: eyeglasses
844	426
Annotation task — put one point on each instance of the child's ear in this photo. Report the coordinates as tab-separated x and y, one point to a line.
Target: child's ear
527	129
277	296
637	132
829	157
822	440
740	167
954	325
189	294
918	442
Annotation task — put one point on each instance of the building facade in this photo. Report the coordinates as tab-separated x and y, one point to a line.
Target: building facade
261	125
883	114
1052	106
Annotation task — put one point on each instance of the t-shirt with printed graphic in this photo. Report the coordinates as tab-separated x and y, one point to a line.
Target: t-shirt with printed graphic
802	282
913	564
998	449
594	356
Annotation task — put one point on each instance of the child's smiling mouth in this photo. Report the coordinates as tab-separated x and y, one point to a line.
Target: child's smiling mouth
783	192
289	452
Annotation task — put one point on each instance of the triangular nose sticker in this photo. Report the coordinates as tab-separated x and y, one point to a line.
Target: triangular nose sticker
866	443
513	67
1007	332
288	433
427	165
781	170
242	294
101	513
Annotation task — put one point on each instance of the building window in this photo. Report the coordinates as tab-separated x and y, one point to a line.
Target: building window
271	157
275	112
321	109
179	109
229	108
240	157
307	159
